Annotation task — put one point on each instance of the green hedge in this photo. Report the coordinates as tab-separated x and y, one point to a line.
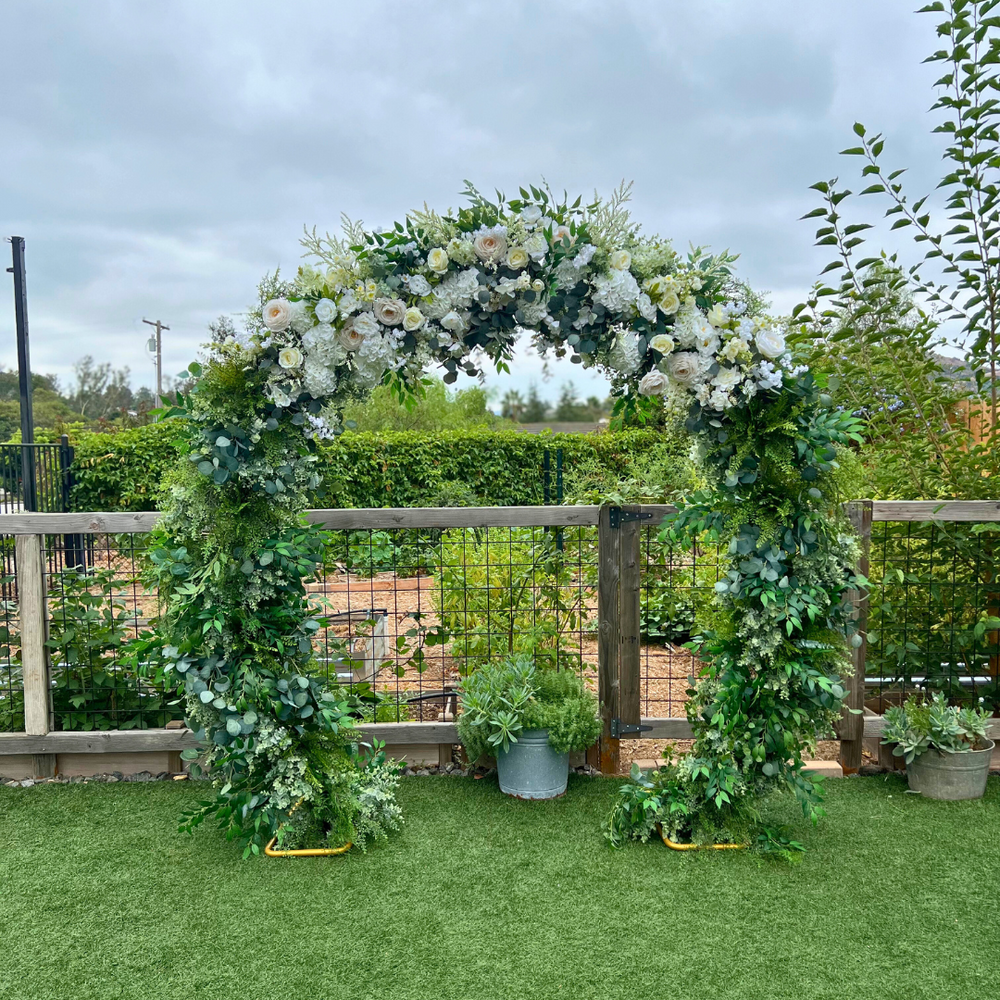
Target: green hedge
124	471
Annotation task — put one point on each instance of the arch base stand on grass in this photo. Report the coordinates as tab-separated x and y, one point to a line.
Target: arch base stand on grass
699	847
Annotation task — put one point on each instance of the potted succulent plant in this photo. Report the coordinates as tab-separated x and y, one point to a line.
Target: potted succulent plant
530	719
946	749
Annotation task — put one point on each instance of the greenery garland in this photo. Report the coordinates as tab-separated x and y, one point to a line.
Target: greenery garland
233	551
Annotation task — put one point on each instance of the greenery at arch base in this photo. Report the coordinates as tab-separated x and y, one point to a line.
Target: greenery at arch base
232	550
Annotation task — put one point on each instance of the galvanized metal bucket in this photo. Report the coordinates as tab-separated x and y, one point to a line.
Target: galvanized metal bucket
531	769
950	776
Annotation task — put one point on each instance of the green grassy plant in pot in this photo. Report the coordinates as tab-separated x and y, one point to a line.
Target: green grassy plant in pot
531	720
946	748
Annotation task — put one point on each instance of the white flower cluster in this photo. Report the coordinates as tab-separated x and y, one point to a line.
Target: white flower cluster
720	357
446	290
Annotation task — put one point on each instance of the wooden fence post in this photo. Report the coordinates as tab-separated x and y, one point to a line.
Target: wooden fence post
619	551
851	726
609	630
34	623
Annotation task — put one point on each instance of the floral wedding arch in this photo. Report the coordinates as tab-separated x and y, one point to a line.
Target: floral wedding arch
456	291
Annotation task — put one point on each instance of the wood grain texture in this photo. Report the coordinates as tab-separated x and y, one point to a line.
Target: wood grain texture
936	510
34	619
114	741
382	519
629	600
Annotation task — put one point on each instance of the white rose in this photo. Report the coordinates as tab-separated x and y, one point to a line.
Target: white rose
390	312
669	303
277	315
562	233
413	319
350	337
536	246
366	324
453	322
771	343
662	343
419	285
490	246
538	285
707	341
279	396
530	214
437	260
684	367
325	310
720	400
653	383
517	257
717	316
620	260
645	306
728	378
289	357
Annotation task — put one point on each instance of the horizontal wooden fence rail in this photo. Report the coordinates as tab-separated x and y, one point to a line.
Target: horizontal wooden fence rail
618	604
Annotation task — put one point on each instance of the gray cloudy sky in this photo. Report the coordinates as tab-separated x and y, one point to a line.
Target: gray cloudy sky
158	158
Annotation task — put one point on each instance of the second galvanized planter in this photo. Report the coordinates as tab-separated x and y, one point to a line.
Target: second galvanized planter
531	769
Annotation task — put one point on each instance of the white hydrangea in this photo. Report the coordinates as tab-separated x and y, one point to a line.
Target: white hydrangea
616	291
624	355
585	256
374	358
318	378
453	294
300	320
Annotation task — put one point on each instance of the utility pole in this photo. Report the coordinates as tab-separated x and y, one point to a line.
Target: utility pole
159	358
30	492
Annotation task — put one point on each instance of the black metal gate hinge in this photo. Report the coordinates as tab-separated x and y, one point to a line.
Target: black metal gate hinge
620	729
617	516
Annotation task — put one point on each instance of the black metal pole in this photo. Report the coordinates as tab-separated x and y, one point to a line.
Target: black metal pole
29	487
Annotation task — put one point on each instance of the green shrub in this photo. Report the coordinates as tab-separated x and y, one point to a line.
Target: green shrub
127	471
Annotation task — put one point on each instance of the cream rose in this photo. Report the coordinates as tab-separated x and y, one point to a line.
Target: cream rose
717	316
653	383
620	260
561	233
662	343
325	310
277	315
413	319
289	357
490	246
437	260
517	258
684	367
771	343
669	303
390	312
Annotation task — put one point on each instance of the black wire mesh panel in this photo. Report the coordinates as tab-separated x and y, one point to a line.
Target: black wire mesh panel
11	679
677	591
412	611
102	676
935	597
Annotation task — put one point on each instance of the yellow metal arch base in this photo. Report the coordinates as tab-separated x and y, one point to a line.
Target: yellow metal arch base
699	847
311	852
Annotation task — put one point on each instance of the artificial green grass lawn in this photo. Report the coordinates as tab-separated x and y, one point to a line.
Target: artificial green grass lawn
486	897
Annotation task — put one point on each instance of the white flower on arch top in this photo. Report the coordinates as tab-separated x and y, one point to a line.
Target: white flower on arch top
457	288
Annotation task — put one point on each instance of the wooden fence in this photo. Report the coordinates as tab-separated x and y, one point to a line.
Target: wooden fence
618	612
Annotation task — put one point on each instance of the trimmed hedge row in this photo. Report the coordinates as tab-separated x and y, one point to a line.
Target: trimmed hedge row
125	471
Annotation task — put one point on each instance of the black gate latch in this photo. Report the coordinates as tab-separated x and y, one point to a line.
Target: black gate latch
620	729
617	517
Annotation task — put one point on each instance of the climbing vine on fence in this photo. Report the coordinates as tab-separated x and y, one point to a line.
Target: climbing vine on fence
232	551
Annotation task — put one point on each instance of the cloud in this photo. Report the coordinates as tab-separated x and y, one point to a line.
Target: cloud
159	159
